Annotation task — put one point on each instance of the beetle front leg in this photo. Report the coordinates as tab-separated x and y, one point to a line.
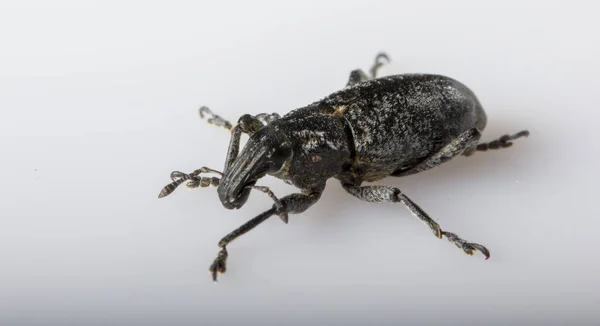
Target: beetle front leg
217	120
384	194
292	204
246	124
214	119
220	263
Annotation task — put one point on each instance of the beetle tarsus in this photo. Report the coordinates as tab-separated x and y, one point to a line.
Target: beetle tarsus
468	247
214	119
502	142
381	59
358	76
219	265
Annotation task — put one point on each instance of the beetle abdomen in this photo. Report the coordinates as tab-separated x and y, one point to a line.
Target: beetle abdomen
398	121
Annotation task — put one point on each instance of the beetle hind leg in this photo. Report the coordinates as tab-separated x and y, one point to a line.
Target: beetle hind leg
502	142
384	194
464	143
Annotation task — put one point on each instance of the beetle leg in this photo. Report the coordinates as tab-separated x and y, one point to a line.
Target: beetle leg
219	264
358	76
501	142
278	205
382	194
246	124
293	204
214	119
466	141
379	61
467	247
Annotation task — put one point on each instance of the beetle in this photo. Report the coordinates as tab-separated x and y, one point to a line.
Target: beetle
371	129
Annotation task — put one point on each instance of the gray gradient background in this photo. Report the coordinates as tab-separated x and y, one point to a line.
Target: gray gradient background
99	100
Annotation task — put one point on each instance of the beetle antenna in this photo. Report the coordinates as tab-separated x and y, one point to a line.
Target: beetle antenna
180	177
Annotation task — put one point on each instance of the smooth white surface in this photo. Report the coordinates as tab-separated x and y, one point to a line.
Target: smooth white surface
99	100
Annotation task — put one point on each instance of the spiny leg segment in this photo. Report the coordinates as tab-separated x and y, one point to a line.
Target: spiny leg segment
379	194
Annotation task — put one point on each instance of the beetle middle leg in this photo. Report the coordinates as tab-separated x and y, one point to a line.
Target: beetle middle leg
357	75
292	204
379	194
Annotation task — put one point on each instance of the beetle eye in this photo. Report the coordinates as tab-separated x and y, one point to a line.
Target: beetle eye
278	158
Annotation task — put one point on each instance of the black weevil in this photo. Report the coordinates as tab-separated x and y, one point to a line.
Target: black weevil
373	128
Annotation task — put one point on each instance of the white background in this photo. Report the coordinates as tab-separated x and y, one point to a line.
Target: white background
99	104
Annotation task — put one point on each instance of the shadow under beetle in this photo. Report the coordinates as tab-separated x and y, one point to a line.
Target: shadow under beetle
373	128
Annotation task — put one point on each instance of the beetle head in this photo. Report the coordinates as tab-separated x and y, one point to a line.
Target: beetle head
265	152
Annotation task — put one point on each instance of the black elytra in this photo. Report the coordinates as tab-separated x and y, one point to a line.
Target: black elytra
371	129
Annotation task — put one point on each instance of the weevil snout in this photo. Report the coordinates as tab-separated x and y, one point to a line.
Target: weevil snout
236	198
264	153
